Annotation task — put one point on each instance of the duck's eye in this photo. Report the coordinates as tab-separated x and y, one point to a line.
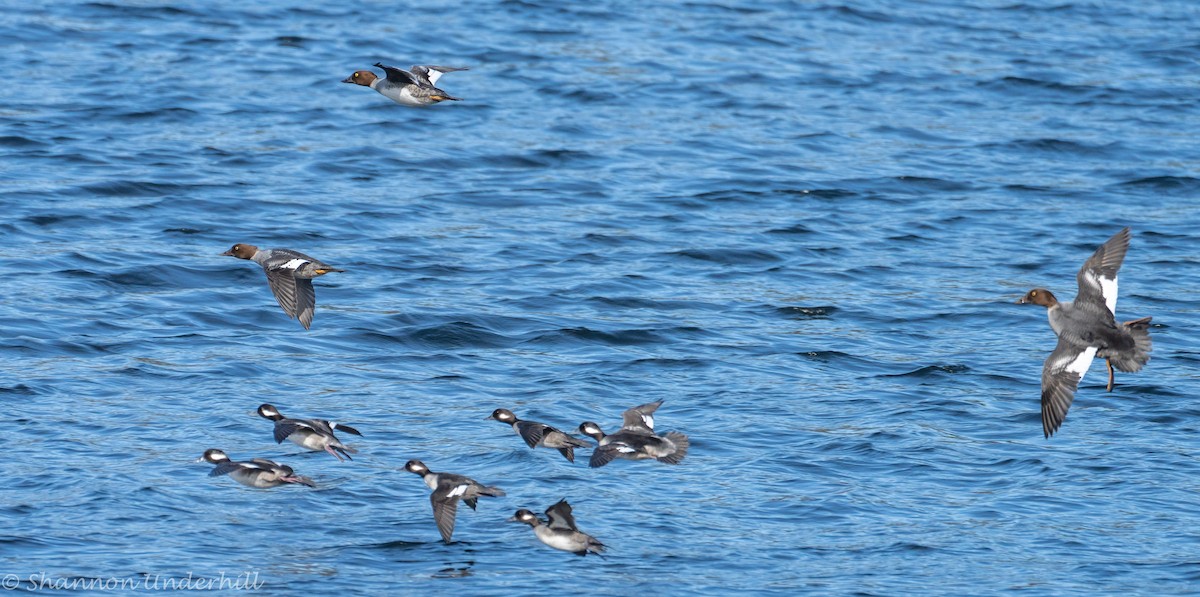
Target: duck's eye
1034	293
355	75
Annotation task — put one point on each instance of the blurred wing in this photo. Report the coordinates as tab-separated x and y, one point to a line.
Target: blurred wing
346	428
443	514
433	73
286	427
560	516
605	454
224	468
531	432
398	75
640	418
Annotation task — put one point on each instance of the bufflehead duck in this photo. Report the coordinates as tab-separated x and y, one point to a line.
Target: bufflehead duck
314	434
640	418
258	472
447	490
634	445
289	274
1087	329
560	531
538	434
406	87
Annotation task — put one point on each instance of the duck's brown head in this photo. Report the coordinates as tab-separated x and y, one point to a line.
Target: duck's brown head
242	251
361	77
1038	296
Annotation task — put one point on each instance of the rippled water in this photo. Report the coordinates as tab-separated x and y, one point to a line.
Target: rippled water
801	224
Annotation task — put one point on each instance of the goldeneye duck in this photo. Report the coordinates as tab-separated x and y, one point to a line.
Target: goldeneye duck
1087	329
289	274
314	434
413	87
560	531
539	434
258	472
447	490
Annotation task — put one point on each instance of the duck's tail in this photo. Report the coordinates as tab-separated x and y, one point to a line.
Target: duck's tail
681	447
1133	360
491	491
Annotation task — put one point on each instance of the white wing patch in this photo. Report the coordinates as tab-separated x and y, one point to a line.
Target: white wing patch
1109	289
459	490
625	449
1080	364
648	420
294	264
433	75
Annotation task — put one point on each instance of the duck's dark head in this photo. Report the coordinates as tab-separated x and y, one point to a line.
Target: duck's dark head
213	456
526	517
267	411
591	430
503	415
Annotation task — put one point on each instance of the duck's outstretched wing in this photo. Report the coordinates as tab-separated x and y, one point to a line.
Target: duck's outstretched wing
1098	277
1061	374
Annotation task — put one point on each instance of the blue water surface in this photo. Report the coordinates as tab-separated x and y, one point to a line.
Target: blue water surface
803	225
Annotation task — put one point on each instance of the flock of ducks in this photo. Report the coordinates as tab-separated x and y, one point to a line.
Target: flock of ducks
635	441
1086	329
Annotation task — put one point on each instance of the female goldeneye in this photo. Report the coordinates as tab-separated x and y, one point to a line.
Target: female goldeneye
289	274
314	434
539	434
407	88
636	440
447	490
560	531
258	472
1086	329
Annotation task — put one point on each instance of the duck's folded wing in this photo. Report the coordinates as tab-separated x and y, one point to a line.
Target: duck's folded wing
1061	374
1098	277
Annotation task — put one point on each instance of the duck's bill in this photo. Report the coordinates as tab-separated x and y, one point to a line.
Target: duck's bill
348	80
